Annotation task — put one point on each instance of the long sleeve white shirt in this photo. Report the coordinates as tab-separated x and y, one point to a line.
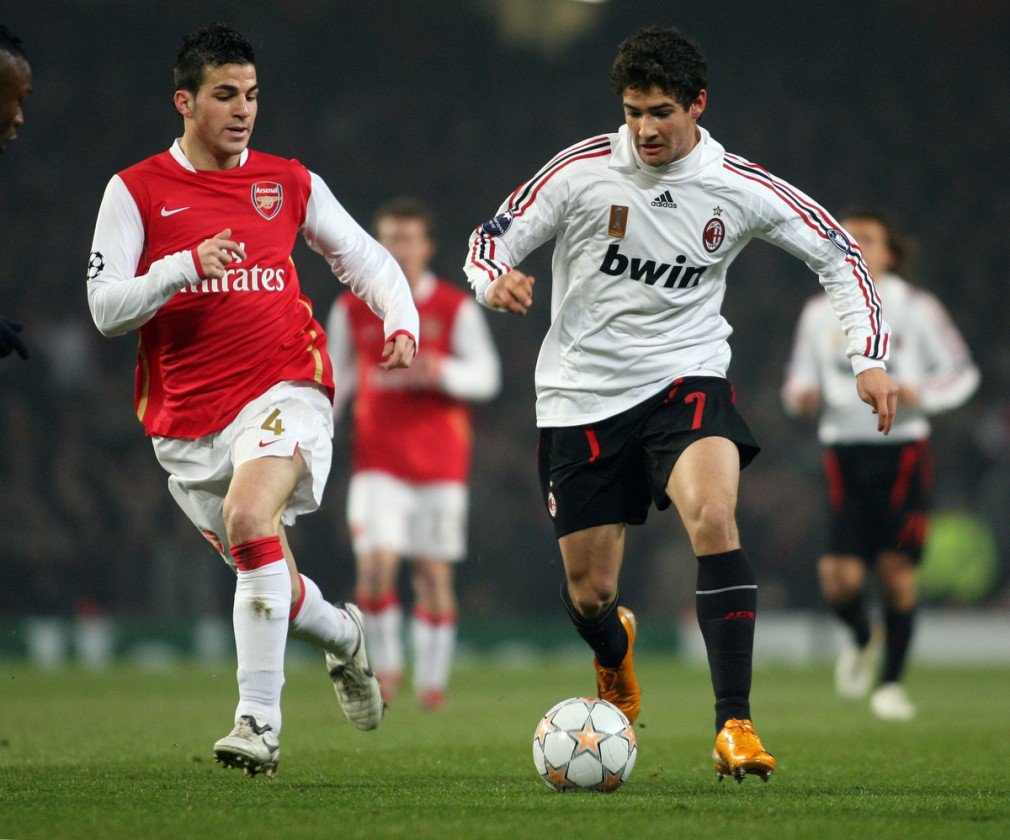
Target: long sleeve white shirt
928	355
639	268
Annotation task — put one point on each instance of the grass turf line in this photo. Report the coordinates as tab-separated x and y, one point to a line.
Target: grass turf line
127	753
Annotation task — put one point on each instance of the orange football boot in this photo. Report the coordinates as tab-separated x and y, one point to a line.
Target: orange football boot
619	685
738	751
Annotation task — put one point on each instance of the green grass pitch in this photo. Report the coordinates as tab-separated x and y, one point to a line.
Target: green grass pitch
126	753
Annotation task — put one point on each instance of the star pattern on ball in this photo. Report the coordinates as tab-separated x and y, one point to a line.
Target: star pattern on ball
545	727
556	776
611	781
587	739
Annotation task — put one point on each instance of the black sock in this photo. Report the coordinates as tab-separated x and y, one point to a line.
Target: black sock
605	633
726	602
853	613
899	634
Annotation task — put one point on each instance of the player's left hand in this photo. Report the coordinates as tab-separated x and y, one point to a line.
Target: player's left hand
877	389
398	352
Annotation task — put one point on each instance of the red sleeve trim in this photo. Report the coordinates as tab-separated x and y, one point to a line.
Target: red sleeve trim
407	333
197	263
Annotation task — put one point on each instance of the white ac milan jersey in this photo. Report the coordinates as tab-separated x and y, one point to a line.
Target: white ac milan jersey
639	268
928	355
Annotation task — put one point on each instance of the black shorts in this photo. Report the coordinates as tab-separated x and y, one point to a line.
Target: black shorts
879	497
609	471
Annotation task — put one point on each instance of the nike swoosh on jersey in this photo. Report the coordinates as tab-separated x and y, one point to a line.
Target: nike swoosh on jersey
268	443
166	212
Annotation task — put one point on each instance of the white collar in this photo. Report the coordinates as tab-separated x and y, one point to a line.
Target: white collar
625	157
183	161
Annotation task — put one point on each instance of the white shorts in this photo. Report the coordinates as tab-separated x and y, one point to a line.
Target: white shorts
412	520
291	417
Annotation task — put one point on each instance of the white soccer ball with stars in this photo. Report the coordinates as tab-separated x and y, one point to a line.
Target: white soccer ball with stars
584	744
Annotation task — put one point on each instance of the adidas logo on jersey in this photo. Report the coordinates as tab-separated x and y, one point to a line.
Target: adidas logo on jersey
664	199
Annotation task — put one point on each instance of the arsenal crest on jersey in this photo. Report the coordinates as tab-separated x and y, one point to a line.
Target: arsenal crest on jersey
713	235
267	198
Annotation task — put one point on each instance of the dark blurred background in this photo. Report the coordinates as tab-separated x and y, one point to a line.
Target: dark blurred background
901	105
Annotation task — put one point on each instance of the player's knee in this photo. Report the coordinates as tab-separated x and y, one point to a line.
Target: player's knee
591	595
244	523
712	525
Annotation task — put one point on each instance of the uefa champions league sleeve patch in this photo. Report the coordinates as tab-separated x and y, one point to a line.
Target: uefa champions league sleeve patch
840	241
498	225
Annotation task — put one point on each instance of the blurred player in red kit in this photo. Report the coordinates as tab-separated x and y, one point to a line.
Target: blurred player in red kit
411	453
192	249
15	85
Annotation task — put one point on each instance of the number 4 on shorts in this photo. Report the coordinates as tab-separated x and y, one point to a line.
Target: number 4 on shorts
273	422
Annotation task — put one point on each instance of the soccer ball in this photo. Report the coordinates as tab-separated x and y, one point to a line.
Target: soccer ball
584	744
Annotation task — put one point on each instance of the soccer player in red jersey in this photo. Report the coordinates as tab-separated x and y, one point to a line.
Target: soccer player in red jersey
411	453
15	85
192	249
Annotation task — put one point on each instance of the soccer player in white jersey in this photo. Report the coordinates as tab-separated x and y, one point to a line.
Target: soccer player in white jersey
879	491
411	454
15	85
633	403
192	249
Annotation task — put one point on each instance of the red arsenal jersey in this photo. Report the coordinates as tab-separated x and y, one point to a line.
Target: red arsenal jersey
417	435
218	344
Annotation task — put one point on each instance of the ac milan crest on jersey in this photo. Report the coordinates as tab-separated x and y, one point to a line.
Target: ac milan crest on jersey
713	235
267	198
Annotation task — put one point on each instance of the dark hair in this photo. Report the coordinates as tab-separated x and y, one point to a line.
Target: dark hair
406	208
901	246
663	58
10	43
211	46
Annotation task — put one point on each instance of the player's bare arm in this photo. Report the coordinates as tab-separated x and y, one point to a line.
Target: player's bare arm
512	291
877	389
398	352
216	253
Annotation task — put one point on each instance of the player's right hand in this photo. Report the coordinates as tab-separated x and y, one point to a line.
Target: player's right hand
512	291
216	253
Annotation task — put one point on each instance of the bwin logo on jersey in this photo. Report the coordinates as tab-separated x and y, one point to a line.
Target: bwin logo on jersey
680	276
664	199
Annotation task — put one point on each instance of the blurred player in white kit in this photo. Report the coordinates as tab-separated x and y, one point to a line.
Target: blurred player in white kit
192	249
408	494
879	490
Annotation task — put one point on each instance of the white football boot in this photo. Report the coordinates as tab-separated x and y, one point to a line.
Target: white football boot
856	668
890	702
357	688
251	745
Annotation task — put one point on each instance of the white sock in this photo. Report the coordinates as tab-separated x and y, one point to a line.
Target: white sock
443	648
260	617
434	640
384	629
318	622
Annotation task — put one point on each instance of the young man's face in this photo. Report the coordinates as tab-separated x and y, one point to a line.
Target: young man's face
220	117
872	238
15	85
662	129
408	241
